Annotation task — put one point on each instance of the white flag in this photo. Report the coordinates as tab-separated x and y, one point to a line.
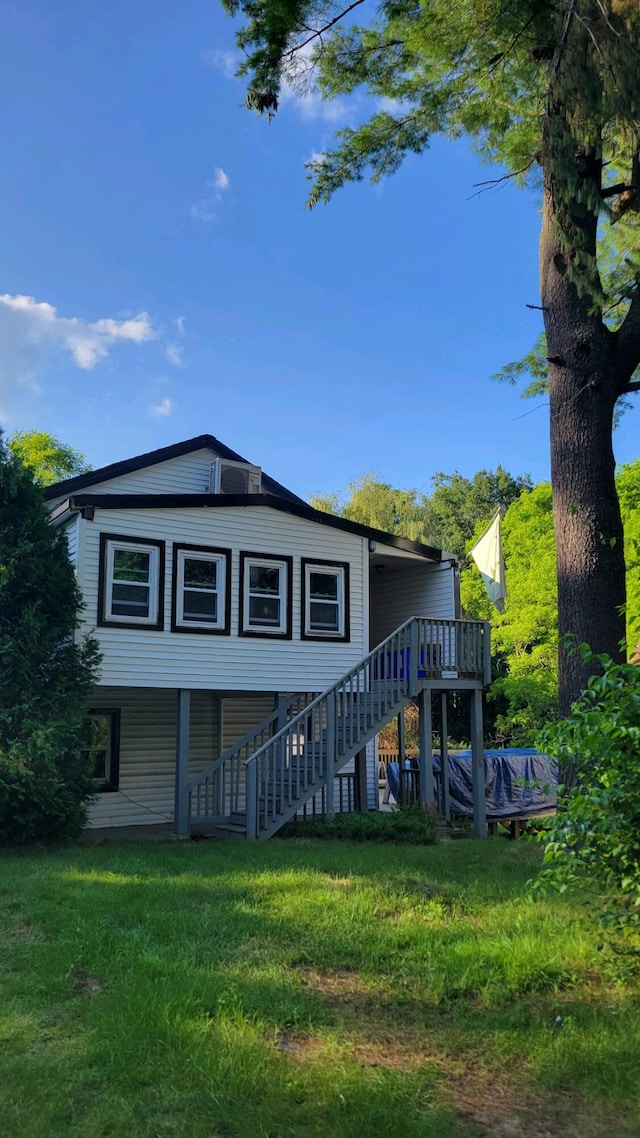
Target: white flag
487	554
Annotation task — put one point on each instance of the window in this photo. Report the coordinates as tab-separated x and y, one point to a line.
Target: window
131	581
201	589
325	596
102	747
266	595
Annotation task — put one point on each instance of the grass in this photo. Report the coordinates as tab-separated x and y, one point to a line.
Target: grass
303	989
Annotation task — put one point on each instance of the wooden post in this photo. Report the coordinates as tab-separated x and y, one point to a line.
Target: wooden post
486	661
414	650
330	757
402	758
361	796
183	723
477	765
444	756
425	735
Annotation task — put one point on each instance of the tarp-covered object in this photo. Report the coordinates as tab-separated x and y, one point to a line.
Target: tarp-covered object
505	796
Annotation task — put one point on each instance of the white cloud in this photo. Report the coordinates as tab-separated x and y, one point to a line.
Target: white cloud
298	90
311	106
162	409
33	337
174	354
179	323
393	106
221	60
221	180
205	208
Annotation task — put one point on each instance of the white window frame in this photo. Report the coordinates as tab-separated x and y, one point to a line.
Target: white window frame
220	560
115	544
283	565
339	571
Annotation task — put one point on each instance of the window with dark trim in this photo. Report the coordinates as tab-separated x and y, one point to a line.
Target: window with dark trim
102	747
131	582
201	589
265	595
325	600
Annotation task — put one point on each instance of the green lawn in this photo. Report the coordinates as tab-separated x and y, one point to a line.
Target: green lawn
305	989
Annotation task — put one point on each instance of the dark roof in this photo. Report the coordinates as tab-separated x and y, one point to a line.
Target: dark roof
289	505
116	469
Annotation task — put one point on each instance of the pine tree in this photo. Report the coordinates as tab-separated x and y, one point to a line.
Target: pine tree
552	92
45	676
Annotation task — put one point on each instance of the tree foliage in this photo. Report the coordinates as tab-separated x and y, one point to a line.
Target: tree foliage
524	693
445	519
46	457
45	677
380	505
595	840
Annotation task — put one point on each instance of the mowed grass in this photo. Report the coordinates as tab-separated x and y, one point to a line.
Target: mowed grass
304	989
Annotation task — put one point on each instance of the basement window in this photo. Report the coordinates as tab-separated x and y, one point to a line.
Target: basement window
102	749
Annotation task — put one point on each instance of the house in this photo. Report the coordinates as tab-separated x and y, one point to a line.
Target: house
252	647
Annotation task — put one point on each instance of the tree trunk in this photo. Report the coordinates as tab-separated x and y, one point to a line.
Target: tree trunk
584	384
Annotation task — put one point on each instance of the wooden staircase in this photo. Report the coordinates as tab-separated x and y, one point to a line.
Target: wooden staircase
266	778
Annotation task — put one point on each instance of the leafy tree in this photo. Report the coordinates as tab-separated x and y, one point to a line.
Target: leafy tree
446	518
378	504
48	459
45	676
552	92
524	694
458	504
595	839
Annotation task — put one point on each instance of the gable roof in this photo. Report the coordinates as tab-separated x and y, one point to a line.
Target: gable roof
164	454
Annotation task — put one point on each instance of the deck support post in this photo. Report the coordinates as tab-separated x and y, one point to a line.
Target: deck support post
444	756
402	758
183	724
477	765
425	735
361	796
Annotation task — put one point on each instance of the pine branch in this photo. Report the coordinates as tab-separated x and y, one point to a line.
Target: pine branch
319	32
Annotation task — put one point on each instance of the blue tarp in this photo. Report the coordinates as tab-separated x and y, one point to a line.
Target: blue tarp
503	769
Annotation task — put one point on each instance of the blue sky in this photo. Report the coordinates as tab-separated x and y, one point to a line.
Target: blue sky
179	285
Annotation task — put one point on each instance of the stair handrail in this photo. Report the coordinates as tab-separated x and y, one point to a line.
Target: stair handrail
325	695
263	725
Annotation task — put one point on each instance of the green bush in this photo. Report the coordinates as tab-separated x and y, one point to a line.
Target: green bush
411	825
595	839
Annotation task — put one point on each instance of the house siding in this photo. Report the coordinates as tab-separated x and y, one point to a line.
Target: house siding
148	753
72	532
166	659
423	590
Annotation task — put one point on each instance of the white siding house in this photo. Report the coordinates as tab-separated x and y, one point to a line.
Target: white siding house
223	604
